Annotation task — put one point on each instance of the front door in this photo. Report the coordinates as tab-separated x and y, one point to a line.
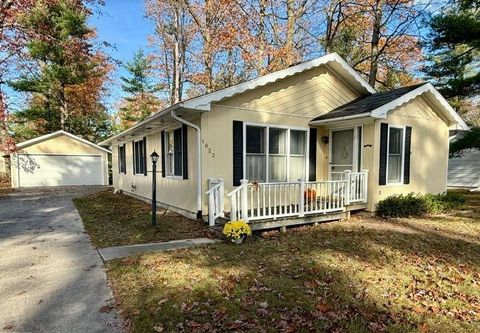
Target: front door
344	151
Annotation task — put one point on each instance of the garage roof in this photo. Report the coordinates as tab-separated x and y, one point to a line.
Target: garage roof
45	137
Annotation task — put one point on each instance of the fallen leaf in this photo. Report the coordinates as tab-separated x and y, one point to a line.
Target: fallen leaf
158	328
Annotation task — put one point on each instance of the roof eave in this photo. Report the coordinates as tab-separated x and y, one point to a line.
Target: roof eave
452	115
45	137
141	123
331	120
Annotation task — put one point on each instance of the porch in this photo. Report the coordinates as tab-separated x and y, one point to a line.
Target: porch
281	204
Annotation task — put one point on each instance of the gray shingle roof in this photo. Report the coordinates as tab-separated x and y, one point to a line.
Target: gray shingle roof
366	104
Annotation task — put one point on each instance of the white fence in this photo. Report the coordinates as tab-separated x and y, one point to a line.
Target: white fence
258	201
216	196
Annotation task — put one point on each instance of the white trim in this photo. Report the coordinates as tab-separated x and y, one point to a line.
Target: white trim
402	154
452	115
118	160
266	127
165	133
382	111
355	116
133	156
204	102
58	133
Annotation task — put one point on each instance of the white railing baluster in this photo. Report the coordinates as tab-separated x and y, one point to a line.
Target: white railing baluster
297	199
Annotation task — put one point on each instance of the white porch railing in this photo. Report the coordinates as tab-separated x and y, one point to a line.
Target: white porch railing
357	191
258	201
216	197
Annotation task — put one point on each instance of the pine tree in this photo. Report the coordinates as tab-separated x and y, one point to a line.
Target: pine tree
140	101
455	50
63	63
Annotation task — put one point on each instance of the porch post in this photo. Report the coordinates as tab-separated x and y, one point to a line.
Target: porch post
365	186
211	209
348	186
222	197
244	198
301	199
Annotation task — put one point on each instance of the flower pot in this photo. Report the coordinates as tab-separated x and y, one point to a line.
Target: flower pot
240	240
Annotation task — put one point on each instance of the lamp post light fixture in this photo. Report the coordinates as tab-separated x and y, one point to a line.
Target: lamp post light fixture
154	157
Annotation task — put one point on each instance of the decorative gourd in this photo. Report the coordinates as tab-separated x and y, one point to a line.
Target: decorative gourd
310	195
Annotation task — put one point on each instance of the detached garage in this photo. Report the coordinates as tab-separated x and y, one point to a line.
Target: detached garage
464	170
59	159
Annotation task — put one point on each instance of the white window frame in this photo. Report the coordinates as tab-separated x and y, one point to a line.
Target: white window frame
165	153
135	173
403	128
267	147
124	159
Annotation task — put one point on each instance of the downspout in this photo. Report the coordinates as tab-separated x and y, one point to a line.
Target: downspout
199	160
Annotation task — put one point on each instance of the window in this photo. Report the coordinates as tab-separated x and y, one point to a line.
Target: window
297	154
122	165
139	157
277	152
395	154
174	152
280	158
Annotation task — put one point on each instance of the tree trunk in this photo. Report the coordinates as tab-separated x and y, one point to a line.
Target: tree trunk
63	110
372	77
175	93
289	41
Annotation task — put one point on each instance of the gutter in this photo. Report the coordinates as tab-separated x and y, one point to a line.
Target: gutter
199	161
362	115
137	125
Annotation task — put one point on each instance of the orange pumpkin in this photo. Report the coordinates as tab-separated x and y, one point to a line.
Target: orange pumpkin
310	195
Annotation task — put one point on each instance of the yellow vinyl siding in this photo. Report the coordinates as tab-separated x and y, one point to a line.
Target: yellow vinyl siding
308	94
62	144
177	194
429	152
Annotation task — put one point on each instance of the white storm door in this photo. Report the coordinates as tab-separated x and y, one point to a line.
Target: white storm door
344	152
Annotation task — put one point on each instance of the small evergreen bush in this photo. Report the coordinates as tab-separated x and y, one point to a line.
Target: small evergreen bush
412	204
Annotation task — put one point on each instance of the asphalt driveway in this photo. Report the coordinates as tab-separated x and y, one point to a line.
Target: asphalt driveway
51	278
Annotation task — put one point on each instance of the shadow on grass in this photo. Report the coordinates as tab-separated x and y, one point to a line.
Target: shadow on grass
332	278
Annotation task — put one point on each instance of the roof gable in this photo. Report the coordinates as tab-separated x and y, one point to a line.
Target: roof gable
52	135
332	60
380	104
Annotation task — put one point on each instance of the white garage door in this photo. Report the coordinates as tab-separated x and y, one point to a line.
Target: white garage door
57	170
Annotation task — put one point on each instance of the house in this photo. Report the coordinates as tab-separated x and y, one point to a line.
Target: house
464	170
59	158
305	144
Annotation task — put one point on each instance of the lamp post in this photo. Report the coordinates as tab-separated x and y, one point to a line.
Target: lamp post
154	156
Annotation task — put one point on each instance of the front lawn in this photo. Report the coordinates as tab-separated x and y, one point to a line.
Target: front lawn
116	219
364	275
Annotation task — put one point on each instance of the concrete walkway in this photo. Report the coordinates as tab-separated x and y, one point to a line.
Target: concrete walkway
115	252
51	278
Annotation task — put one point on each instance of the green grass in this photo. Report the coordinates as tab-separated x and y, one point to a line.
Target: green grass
116	219
364	275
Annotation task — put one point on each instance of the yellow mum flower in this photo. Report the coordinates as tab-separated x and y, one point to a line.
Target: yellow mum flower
236	229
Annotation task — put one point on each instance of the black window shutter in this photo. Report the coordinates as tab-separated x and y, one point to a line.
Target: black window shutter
184	151
382	179
119	158
134	156
144	155
237	152
163	154
406	164
312	155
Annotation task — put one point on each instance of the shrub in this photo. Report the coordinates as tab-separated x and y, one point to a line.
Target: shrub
412	204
